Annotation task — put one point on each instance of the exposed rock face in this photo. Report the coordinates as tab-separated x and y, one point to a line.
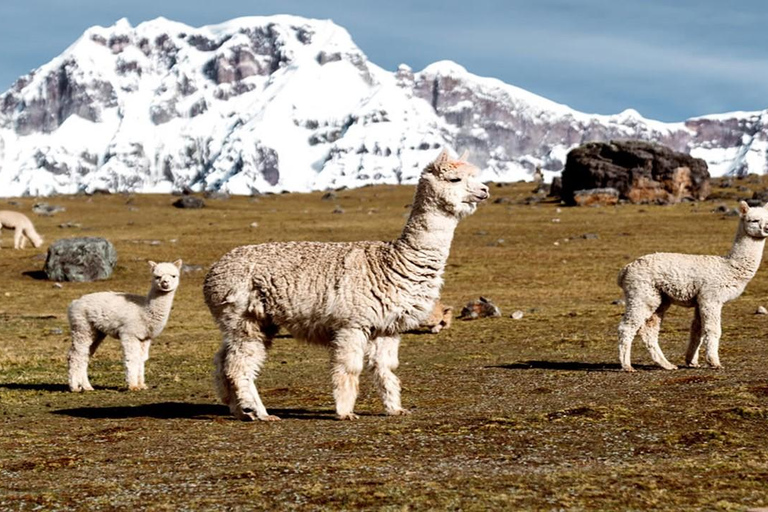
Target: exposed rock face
189	202
641	172
80	259
596	197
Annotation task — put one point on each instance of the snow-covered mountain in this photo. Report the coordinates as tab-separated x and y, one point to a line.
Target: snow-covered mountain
287	103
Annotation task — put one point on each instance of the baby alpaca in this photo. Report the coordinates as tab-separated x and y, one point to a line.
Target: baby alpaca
653	282
22	227
354	298
133	319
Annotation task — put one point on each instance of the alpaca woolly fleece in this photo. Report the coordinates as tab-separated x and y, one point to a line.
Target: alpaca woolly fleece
133	319
654	282
355	298
23	229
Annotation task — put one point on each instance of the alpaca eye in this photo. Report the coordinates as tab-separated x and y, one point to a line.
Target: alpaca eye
454	180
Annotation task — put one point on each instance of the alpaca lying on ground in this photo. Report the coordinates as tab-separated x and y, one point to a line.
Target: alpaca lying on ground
653	282
22	227
133	319
355	298
440	318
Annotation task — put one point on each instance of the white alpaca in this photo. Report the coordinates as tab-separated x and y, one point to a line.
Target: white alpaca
653	282
22	227
355	298
133	319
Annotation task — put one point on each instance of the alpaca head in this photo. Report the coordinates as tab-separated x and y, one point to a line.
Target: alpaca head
165	276
451	186
36	240
754	221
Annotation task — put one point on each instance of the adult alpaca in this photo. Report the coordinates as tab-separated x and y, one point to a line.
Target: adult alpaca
652	283
354	297
23	228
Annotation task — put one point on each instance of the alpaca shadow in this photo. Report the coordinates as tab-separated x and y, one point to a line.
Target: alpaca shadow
38	275
180	410
36	387
571	366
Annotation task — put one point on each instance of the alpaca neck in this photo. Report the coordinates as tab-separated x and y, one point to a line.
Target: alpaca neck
158	306
747	252
428	232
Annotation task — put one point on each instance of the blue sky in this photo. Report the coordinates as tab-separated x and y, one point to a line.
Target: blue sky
669	60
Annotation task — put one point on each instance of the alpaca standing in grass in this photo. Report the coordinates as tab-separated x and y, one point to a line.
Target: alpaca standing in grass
653	282
133	319
355	298
23	229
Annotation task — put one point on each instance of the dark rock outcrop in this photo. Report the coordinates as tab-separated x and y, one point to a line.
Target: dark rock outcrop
642	172
80	259
189	202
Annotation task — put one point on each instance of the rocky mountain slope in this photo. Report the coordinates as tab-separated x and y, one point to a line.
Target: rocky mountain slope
287	103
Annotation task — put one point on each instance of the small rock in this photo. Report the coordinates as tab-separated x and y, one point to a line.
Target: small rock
555	220
517	315
46	209
618	302
590	236
479	308
254	225
502	200
338	209
329	196
70	225
58	285
56	331
721	208
761	310
189	202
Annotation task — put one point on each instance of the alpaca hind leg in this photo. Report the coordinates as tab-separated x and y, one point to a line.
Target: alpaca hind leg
18	239
78	357
382	361
238	363
649	333
636	315
711	331
348	360
132	357
694	342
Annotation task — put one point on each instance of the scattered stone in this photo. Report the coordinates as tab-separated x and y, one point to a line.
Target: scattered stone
189	202
57	285
338	209
329	196
479	309
56	331
254	225
641	172
721	208
70	225
216	195
590	236
46	209
80	259
618	302
555	220
14	203
761	310
502	200
596	197
517	315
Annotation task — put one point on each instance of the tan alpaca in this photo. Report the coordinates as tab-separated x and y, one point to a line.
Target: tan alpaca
23	228
354	297
440	318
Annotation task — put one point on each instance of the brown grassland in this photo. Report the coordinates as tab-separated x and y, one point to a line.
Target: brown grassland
529	414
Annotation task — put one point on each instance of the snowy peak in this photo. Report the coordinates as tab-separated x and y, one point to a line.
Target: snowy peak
287	103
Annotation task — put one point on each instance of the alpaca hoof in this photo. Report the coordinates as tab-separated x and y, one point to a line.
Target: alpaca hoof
692	365
135	387
629	369
670	367
717	366
269	417
399	412
349	416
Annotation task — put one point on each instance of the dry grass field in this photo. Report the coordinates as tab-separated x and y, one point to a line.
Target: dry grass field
528	414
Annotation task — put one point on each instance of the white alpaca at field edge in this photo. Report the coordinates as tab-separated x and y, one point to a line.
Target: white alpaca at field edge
355	298
23	228
653	282
133	319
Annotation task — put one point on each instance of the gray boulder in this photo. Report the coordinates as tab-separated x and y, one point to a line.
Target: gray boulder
80	259
189	202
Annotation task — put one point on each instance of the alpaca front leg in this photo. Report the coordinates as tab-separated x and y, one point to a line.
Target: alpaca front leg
694	342
18	239
238	363
711	332
382	361
348	358
144	357
133	359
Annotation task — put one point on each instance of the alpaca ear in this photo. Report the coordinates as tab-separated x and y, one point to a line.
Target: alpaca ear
464	155
152	264
443	157
743	208
177	263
